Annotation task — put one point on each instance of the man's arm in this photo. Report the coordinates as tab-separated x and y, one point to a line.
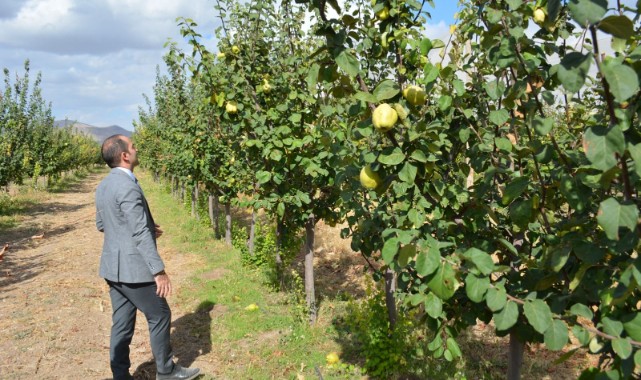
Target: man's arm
99	224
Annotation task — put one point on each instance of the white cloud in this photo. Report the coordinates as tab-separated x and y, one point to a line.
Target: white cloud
98	57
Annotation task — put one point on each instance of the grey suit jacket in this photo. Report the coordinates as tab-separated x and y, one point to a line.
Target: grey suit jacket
129	252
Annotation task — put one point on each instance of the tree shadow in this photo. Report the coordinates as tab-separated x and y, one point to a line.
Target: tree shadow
15	269
191	338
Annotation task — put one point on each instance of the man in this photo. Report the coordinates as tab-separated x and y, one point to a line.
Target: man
131	265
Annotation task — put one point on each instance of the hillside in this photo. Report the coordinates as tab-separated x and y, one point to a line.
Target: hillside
98	133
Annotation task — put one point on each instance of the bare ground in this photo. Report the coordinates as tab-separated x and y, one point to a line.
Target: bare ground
55	313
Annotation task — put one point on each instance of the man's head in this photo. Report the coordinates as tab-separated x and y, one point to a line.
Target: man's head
118	150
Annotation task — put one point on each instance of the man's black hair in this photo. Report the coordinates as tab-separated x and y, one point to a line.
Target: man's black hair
112	149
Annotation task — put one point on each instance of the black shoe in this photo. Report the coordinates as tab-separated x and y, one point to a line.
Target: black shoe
179	373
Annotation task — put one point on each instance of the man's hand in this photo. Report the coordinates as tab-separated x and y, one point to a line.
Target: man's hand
159	232
163	285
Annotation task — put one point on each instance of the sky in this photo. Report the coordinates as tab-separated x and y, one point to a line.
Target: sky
98	58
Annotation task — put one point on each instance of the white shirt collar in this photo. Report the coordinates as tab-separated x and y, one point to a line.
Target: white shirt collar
129	173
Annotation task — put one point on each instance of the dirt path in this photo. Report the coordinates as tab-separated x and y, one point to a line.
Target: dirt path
54	309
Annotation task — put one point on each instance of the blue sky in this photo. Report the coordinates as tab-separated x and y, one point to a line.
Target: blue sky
443	11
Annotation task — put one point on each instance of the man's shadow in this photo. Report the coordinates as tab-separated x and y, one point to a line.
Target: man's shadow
190	339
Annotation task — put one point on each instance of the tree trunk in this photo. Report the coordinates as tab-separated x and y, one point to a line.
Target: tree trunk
228	223
252	233
194	200
390	301
278	258
182	192
210	200
515	358
216	217
310	294
173	186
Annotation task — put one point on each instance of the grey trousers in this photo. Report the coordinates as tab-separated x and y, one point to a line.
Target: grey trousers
126	299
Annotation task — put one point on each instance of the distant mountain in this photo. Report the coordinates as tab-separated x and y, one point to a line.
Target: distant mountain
98	133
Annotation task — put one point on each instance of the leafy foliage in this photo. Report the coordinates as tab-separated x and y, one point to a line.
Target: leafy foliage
30	144
509	194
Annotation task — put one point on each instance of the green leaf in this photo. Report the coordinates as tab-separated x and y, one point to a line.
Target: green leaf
418	155
428	261
496	298
510	247
586	12
612	327
622	347
581	310
521	212
425	46
464	134
554	9
393	158
503	144
633	327
618	26
348	62
444	102
444	282
637	358
602	144
541	125
635	152
499	117
538	315
507	317
408	173
476	287
312	76
263	177
387	89
431	73
559	256
390	248
573	69
556	336
514	189
623	80
453	347
433	306
514	4
275	155
581	334
481	260
365	97
563	358
612	215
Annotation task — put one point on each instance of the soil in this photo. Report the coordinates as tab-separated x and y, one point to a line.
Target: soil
55	312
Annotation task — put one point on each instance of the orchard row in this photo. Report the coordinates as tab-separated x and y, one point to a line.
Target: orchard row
30	145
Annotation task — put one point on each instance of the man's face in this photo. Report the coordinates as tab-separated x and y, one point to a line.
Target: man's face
130	157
